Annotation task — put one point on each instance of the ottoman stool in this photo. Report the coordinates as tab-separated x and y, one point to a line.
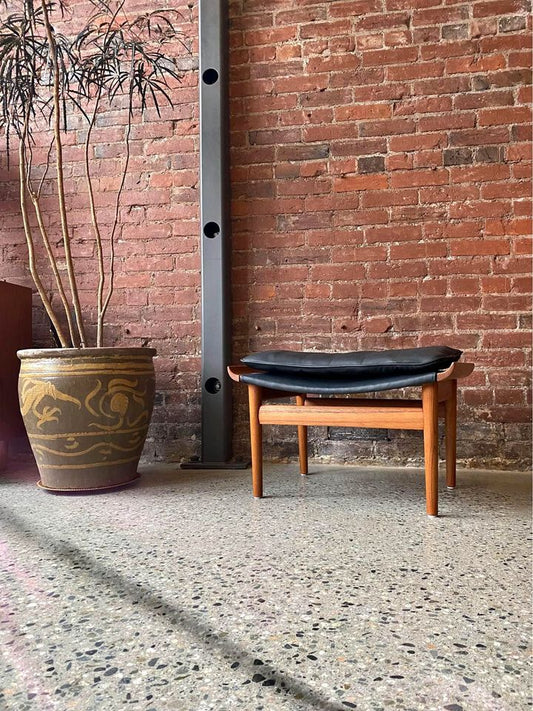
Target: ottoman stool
271	375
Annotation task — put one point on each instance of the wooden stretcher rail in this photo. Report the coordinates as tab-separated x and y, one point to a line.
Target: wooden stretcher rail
397	418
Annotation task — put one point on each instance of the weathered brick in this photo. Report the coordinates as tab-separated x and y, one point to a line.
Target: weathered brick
520	59
357	112
390	56
457	156
415	70
479	173
360	182
487	98
481	136
489	154
455	32
371	164
504	116
511	77
500	7
464	247
410	178
480	83
512	24
303	152
387	127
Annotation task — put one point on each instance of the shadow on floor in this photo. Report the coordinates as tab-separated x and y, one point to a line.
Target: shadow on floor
155	605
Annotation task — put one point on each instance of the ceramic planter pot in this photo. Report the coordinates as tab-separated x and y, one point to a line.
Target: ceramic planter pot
86	412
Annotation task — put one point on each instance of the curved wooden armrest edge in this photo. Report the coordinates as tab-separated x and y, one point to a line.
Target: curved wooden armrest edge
235	371
455	372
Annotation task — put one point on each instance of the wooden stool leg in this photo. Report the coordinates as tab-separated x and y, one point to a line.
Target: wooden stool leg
451	435
302	440
255	397
430	409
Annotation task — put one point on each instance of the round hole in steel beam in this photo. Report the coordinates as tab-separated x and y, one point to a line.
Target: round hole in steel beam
211	229
210	76
213	385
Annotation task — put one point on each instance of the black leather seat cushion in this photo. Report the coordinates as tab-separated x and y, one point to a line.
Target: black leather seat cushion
355	365
327	385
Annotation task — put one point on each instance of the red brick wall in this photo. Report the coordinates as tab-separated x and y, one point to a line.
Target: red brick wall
381	183
381	197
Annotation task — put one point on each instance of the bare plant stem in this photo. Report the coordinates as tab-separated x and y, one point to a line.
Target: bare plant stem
31	250
102	306
59	171
96	230
35	196
53	262
115	224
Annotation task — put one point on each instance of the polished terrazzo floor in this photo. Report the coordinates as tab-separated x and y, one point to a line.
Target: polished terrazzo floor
334	592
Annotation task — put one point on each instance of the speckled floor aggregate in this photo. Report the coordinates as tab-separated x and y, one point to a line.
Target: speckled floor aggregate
335	592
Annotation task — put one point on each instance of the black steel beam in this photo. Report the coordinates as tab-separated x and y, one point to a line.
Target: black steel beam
214	236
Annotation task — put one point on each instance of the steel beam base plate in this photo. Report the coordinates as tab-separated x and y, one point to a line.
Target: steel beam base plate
197	464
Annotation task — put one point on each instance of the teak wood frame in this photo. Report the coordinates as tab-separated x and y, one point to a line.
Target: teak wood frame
439	399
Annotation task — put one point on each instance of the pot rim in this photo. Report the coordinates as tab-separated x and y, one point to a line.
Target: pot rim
28	353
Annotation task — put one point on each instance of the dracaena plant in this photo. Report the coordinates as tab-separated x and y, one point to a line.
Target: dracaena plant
47	78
